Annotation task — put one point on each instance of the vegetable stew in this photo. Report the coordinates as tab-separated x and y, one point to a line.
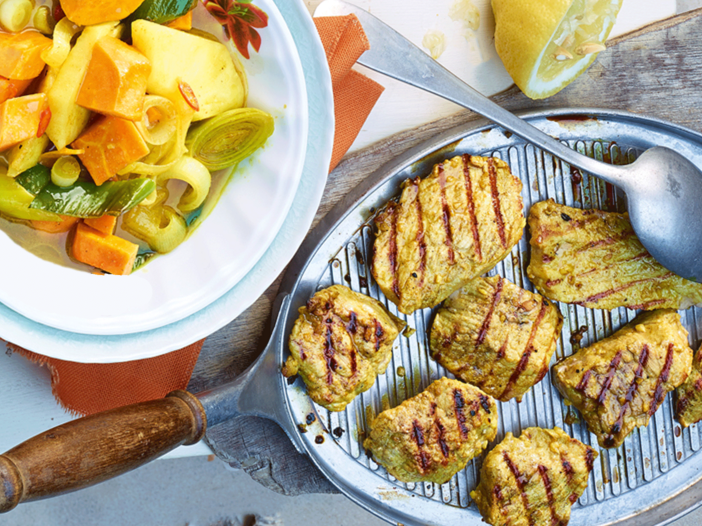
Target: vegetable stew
120	122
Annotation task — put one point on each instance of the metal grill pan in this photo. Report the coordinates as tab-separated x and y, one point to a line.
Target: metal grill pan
642	482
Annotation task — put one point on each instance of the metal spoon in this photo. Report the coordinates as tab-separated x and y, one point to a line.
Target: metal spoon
664	190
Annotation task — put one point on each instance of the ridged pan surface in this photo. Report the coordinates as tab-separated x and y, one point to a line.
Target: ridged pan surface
655	462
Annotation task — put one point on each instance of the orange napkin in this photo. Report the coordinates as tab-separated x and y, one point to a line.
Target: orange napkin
354	95
90	388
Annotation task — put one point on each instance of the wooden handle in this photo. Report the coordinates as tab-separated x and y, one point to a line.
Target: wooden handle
98	447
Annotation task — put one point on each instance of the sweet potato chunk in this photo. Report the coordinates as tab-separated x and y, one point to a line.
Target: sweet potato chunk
69	119
115	82
105	224
184	22
55	227
20	54
12	88
22	118
106	252
86	13
109	145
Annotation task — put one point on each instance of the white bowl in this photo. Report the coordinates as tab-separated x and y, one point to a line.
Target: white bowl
218	254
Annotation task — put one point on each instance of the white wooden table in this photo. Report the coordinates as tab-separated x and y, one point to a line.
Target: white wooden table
27	406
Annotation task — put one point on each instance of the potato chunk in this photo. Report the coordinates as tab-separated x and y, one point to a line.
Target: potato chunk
206	66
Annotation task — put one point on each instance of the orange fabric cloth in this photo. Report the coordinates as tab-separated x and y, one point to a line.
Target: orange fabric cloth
87	388
354	94
90	388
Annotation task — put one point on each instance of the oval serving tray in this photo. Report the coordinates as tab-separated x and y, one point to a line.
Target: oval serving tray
642	482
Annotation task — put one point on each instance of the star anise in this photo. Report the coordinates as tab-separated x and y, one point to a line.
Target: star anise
240	21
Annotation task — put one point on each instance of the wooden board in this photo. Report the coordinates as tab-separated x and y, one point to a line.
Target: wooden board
653	71
469	54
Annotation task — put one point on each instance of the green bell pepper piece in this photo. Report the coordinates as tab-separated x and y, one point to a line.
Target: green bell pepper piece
15	202
35	179
85	199
163	11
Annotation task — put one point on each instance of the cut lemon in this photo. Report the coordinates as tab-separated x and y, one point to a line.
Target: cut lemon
546	44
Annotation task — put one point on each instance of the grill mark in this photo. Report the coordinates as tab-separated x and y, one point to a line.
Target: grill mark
329	353
497	207
497	491
582	385
573	498
442	441
685	401
543	471
446	216
486	322
568	469
647	305
628	397
352	325
608	379
393	252
420	235
484	402
459	404
378	334
658	394
418	435
641	256
553	282
605	242
524	360
503	350
682	405
601	295
590	459
471	207
521	481
354	364
303	356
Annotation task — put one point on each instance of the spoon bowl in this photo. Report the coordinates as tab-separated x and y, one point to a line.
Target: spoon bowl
663	188
664	193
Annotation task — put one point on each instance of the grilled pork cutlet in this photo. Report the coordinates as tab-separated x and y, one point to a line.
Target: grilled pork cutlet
432	436
592	258
688	406
617	384
446	229
534	479
496	336
339	344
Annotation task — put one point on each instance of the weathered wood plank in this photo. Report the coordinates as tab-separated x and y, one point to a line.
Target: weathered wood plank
653	71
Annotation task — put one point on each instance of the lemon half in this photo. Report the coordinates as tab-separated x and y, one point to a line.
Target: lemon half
546	44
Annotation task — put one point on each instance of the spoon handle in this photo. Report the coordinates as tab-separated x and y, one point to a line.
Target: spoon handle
393	55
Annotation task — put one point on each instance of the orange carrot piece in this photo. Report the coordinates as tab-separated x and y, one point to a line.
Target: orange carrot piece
21	118
106	252
10	89
105	224
115	82
184	22
55	227
20	54
109	145
86	13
